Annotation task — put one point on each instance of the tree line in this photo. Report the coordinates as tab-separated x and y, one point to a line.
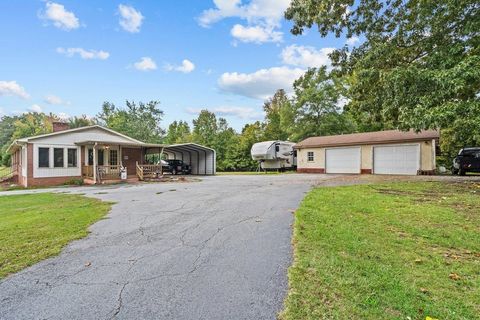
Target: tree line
417	67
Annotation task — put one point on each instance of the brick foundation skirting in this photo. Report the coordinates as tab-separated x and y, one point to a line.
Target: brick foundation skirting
310	170
366	171
52	181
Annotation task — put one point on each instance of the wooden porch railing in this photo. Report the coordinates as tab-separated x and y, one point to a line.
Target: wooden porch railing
108	172
103	172
139	172
148	171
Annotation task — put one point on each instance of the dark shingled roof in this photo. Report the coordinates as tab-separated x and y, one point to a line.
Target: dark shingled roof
377	137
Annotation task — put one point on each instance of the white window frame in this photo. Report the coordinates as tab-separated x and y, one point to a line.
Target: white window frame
312	154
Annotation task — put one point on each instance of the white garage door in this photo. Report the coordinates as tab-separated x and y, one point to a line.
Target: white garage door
342	160
401	159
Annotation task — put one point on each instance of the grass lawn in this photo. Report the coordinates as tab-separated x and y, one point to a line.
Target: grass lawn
391	251
37	226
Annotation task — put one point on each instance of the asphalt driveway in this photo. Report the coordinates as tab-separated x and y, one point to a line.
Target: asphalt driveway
215	249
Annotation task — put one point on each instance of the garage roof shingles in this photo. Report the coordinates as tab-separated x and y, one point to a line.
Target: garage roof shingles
377	137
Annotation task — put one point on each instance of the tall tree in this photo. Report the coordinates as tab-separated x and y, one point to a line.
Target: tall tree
178	132
276	110
419	66
318	113
140	121
205	128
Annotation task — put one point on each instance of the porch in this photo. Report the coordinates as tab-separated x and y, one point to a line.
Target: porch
104	162
107	174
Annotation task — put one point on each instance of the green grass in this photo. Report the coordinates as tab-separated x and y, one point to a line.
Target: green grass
392	251
37	226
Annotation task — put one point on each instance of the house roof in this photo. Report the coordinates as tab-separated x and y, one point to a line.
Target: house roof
22	141
76	130
377	137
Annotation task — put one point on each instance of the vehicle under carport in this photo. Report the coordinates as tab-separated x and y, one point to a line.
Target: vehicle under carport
201	159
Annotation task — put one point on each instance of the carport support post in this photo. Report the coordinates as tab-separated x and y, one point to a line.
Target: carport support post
160	160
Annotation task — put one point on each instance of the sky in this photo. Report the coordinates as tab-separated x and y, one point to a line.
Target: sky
227	56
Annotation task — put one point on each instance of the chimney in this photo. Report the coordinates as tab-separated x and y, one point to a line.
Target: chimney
60	126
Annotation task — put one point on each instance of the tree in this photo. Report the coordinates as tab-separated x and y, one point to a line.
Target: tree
178	132
225	138
317	97
140	121
78	122
26	125
419	66
239	157
276	110
7	127
205	128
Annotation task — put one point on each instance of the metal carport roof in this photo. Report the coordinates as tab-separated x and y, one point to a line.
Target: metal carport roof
202	159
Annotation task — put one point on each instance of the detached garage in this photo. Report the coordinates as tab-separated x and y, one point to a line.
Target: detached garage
382	152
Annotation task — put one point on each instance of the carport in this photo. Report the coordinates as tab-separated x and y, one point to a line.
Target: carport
202	159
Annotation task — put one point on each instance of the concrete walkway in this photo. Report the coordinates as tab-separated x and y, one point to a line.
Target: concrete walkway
215	249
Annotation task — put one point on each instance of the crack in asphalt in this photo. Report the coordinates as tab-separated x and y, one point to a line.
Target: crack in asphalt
171	237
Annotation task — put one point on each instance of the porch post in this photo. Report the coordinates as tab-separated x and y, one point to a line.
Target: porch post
95	163
120	155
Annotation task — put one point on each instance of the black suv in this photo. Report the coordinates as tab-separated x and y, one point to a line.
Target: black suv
467	160
176	167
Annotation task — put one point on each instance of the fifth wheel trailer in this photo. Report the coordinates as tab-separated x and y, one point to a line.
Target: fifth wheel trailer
274	155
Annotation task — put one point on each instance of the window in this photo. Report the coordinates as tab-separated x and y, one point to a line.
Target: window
72	158
43	157
100	157
310	156
113	157
58	158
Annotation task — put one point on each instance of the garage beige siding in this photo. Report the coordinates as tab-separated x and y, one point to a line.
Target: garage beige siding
316	166
427	157
367	158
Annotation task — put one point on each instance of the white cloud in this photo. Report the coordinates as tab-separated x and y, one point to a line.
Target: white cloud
352	41
130	19
261	84
145	64
265	14
306	57
223	111
256	34
36	108
187	66
12	88
60	17
52	99
84	54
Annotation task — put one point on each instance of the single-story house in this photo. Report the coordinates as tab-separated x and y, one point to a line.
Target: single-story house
382	152
97	154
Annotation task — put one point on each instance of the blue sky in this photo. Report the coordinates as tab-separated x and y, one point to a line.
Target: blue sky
227	56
